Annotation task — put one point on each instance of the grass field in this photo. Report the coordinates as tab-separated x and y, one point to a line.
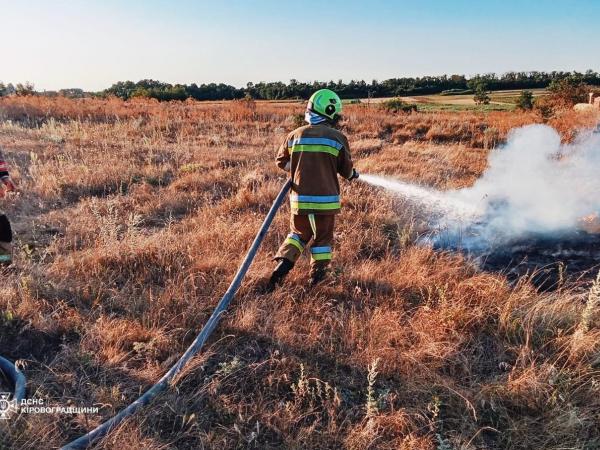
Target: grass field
131	221
499	101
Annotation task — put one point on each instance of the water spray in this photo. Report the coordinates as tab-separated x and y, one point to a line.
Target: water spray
431	199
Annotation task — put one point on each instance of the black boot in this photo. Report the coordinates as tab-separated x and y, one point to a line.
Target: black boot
318	275
282	269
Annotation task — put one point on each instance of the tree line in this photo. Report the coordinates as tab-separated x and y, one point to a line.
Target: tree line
394	87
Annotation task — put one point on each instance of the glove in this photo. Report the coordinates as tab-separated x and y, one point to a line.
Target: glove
8	185
288	166
354	175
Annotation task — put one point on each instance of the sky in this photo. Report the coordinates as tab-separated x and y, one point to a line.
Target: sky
93	44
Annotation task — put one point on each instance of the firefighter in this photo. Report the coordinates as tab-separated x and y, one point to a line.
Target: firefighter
5	229
314	155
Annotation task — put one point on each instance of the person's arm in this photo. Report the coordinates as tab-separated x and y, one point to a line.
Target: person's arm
5	176
345	166
283	155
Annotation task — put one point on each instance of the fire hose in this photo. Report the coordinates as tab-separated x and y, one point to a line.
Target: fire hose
196	346
17	379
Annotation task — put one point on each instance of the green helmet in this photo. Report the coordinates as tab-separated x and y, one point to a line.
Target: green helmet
325	103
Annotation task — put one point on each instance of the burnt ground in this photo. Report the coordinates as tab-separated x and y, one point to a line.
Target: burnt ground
549	261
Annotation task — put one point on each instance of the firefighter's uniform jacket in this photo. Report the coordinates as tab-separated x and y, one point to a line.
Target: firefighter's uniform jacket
316	154
5	228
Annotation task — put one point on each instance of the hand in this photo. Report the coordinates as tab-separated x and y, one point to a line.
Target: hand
9	185
354	175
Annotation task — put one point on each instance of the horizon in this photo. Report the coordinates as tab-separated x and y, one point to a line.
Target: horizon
287	82
92	45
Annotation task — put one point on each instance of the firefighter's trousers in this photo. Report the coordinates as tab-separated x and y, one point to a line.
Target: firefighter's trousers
5	239
304	228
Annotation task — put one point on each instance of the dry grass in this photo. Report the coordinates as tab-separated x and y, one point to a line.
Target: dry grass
132	220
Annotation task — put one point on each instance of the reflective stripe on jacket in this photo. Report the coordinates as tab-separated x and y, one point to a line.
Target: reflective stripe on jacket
317	154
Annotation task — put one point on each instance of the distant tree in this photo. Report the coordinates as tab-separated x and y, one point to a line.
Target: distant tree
396	105
139	92
525	100
481	96
24	89
122	89
545	107
2	89
72	93
10	89
568	91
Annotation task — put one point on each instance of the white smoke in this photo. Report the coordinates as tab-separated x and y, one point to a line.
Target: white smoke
533	184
